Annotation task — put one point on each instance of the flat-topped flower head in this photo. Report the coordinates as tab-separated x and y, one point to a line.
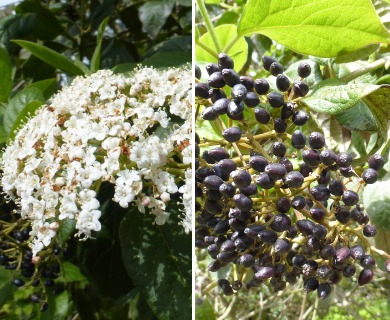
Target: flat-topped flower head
102	128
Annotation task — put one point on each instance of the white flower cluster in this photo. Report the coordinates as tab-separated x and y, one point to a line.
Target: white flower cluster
103	128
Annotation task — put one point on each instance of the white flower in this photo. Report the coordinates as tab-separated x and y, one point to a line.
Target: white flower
100	128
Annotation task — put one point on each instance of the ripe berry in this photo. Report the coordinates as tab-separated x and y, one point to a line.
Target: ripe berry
301	88
286	163
264	272
212	182
211	68
310	284
282	245
320	192
294	179
316	140
349	271
262	115
369	230
283	204
198	72
298	139
231	77
262	86
281	222
357	252
298	202
18	282
216	94
241	178
275	171
225	62
243	202
232	134
342	214
300	118
282	82
311	157
287	110
279	149
280	125
346	171
239	92
323	291
344	159
252	99
220	106
264	181
370	176
247	82
376	162
275	99
268	236
336	187
216	80
328	157
367	262
246	260
304	70
267	61
365	276
350	198
276	68
317	213
305	226
258	163
202	90
235	108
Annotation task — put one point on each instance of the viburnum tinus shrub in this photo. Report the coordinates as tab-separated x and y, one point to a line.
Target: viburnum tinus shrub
279	205
130	131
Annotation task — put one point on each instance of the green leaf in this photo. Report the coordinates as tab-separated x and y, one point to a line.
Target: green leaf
376	200
72	273
7	288
359	117
321	28
67	228
95	62
331	97
153	15
158	259
51	57
18	103
27	112
226	32
6	79
379	104
48	87
204	310
168	59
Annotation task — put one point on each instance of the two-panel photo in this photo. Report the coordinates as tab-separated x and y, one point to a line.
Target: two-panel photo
194	160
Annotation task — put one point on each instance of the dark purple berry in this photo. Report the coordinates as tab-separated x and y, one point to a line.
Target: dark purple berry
247	82
328	157
216	94
350	198
311	157
262	115
243	202
376	162
264	181
281	222
246	260
320	192
344	159
298	139
323	291
357	252
258	163
365	276
282	82
280	125
239	92
225	62
349	271
370	176
317	213
301	88
279	149
369	230
305	226
304	70
267	61
283	204
202	90
276	68
367	262
231	77
316	140
262	86
275	171
235	108
198	72
275	99
216	80
232	134
298	202
294	179
342	214
300	118
268	236
336	187
252	99
220	106
241	178
264	272
211	68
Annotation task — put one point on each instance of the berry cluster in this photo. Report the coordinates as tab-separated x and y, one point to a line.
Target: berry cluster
15	254
277	203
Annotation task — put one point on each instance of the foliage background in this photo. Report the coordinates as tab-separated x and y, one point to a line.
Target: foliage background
358	123
43	46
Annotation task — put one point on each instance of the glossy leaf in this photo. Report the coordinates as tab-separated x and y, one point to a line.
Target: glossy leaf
225	33
51	57
158	260
331	97
72	273
153	15
6	286
48	87
95	61
27	112
6	75
376	200
168	59
321	28
359	117
67	228
18	103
